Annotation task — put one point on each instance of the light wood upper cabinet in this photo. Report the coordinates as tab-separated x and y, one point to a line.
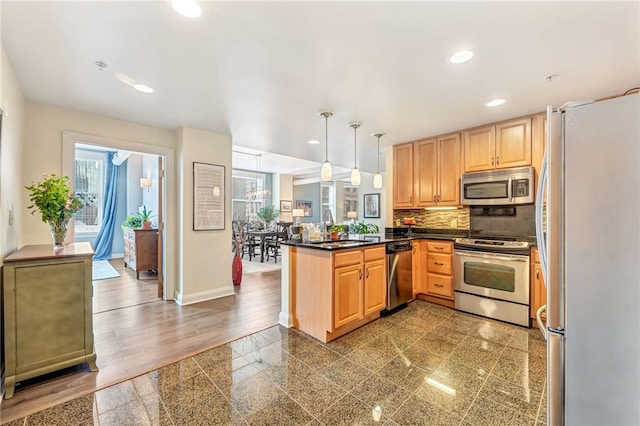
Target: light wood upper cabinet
538	141
436	172
403	176
426	170
479	149
449	154
500	146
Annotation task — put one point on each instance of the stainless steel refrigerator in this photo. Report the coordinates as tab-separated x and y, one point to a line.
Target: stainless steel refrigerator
590	249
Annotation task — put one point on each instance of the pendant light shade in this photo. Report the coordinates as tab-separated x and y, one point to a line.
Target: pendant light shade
355	173
377	178
326	172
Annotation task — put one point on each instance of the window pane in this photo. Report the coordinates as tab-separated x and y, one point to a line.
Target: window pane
89	185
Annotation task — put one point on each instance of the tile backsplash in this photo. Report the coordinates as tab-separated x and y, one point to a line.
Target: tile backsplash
435	219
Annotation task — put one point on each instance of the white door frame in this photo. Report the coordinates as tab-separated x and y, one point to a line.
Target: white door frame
69	140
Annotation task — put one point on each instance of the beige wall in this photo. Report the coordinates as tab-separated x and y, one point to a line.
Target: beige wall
204	256
11	153
43	142
12	206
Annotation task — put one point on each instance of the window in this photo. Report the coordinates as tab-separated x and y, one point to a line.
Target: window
250	192
89	184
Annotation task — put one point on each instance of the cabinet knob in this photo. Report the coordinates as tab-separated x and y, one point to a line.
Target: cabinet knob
498	160
439	285
439	263
492	162
537	274
360	274
367	273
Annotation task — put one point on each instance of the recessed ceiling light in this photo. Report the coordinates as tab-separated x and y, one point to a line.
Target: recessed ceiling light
188	8
143	88
495	102
460	57
314	142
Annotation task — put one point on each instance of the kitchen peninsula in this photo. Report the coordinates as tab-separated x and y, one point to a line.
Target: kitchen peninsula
331	288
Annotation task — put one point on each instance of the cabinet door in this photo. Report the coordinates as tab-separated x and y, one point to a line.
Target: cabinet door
374	286
403	175
420	274
426	171
513	143
347	295
449	170
479	149
539	294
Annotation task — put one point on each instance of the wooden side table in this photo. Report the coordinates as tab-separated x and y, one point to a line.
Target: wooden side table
141	249
48	322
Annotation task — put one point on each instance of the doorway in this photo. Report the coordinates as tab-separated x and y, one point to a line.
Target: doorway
154	165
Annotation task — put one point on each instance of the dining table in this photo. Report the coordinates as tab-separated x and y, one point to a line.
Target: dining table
263	234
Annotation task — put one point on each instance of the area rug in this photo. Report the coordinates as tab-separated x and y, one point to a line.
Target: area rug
102	270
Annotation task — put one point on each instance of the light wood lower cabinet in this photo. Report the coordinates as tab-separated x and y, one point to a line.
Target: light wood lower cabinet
435	271
538	288
335	292
48	317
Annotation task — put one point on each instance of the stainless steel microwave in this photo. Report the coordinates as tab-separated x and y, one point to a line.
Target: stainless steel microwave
498	187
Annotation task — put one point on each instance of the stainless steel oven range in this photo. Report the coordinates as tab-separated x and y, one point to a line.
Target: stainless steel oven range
491	278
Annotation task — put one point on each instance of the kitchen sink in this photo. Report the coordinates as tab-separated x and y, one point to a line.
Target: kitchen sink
338	243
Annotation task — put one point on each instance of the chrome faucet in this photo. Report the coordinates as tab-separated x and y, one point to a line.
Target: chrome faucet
327	216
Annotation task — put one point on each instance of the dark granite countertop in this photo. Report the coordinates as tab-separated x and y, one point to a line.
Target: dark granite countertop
371	240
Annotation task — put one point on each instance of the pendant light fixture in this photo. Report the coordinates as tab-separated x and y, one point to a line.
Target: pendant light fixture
377	178
355	173
326	172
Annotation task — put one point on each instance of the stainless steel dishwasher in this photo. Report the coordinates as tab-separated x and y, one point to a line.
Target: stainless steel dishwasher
400	275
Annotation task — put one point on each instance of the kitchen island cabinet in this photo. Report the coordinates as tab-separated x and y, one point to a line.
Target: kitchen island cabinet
336	291
48	317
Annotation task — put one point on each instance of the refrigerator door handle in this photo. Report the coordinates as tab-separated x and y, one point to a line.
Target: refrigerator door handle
540	205
542	326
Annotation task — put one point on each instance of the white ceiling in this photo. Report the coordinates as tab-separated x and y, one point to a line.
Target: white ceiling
261	71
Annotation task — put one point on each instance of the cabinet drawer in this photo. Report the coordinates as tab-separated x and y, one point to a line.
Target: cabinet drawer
440	247
374	253
440	285
439	263
347	258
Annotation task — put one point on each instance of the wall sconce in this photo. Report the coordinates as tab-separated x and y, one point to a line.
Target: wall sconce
145	183
297	213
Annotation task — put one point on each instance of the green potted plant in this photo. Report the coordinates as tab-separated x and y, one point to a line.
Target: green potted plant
363	228
56	202
336	229
145	217
133	220
268	214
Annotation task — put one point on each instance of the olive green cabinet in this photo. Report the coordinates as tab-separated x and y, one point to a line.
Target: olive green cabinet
48	323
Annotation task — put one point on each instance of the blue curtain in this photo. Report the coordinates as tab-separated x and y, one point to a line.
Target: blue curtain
104	240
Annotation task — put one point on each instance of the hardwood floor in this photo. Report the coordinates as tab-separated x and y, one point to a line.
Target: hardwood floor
133	340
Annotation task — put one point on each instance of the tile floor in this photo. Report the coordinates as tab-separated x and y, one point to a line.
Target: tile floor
424	365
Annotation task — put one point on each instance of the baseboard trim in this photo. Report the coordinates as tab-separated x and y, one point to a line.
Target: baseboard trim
285	320
203	296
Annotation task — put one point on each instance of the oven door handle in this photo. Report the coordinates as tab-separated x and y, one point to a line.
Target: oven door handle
509	189
508	258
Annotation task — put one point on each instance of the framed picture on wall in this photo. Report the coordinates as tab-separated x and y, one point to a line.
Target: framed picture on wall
306	206
285	205
208	197
371	205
